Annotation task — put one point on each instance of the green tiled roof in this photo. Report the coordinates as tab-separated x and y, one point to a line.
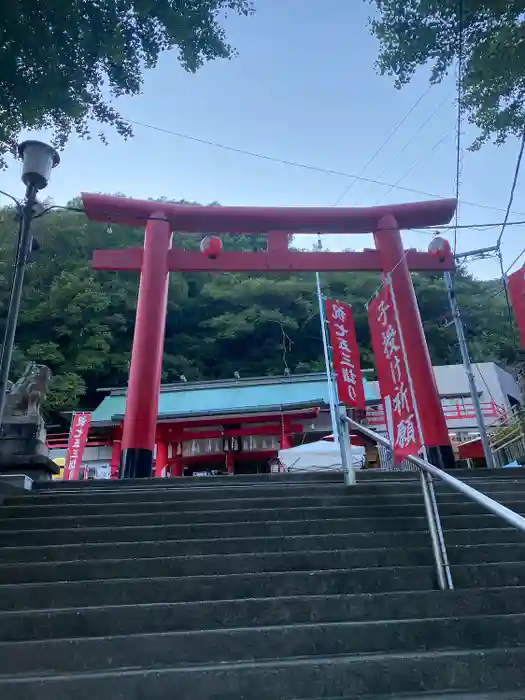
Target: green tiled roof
218	398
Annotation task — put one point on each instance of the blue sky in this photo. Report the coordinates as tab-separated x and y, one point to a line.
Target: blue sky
303	88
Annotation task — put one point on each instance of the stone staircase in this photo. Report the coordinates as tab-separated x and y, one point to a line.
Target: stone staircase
263	588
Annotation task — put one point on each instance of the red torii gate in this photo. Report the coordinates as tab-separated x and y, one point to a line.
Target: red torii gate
157	259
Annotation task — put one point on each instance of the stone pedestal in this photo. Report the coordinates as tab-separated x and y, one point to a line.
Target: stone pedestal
23	448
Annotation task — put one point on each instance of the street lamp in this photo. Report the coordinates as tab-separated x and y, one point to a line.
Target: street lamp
38	159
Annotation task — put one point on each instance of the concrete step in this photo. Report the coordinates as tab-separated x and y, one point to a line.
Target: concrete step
257	515
133	591
489	575
486	553
342	499
160	493
87	569
229	514
224	564
164	490
377	475
162	500
361	505
497	695
117	591
413	486
235	545
14	537
339	677
193	482
101	621
172	649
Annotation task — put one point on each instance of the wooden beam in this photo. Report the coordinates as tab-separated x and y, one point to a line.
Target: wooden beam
272	261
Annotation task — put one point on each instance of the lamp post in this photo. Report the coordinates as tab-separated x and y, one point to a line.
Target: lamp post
37	161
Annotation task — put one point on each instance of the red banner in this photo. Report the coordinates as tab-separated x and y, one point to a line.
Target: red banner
76	444
392	373
516	289
345	354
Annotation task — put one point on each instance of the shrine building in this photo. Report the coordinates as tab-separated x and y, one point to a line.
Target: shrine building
237	426
234	426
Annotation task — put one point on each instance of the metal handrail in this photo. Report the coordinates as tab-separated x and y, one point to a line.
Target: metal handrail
490	504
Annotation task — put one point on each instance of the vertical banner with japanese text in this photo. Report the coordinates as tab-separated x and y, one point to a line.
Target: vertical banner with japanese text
345	354
516	289
76	444
393	375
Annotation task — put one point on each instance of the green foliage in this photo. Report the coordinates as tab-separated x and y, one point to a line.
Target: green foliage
62	61
412	33
80	322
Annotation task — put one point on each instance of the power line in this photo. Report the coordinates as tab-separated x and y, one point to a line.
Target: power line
513	188
417	163
504	225
306	166
459	114
507	299
382	146
411	140
515	260
282	161
505	272
433	230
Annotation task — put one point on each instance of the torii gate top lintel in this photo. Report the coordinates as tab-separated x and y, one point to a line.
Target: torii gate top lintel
245	220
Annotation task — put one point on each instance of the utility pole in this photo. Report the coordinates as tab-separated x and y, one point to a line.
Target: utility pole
465	356
439	244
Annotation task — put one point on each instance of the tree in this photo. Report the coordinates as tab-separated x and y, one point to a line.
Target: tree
412	33
62	61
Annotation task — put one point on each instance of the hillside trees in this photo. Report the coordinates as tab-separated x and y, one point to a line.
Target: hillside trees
80	322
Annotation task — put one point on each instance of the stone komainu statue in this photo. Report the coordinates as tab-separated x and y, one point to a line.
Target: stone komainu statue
28	393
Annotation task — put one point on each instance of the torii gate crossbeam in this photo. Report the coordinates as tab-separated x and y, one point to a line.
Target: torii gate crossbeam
157	259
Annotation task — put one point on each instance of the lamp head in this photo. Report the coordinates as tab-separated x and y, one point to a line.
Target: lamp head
38	159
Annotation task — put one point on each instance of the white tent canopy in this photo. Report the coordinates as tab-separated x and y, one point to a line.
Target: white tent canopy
319	456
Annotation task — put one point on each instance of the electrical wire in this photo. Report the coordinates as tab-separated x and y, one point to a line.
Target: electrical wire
515	260
408	143
385	280
504	225
487	387
513	188
505	272
461	9
507	300
417	163
382	146
306	166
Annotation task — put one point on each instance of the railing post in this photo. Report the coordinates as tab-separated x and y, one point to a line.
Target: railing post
439	531
346	448
434	537
444	574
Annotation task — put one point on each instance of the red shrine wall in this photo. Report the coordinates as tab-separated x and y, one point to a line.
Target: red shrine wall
237	445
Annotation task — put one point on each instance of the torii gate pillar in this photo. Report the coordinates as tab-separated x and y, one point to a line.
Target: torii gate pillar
433	424
145	370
